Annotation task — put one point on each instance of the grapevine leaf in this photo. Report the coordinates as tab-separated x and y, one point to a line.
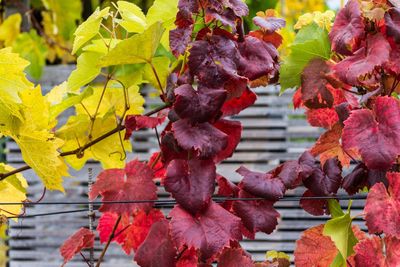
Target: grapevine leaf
382	207
257	58
233	129
303	51
240	8
191	183
261	184
135	182
89	28
188	258
209	232
33	48
328	146
370	252
203	138
314	249
268	24
81	239
322	117
348	29
231	257
157	249
257	215
325	181
198	106
140	48
356	180
316	207
10	29
375	133
235	105
353	69
133	19
315	93
392	19
179	40
12	189
161	69
130	234
341	233
137	122
85	72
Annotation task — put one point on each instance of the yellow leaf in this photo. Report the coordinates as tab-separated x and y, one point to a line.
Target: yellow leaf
89	29
133	19
109	151
39	151
86	70
12	189
100	45
139	48
35	110
10	29
161	68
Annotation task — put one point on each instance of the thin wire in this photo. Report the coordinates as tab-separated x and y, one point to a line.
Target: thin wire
172	201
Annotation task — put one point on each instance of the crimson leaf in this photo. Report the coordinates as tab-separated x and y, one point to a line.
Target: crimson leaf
137	122
375	133
81	239
191	183
235	105
231	257
233	130
392	19
375	251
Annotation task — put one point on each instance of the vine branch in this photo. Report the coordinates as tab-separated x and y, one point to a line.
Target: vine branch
80	150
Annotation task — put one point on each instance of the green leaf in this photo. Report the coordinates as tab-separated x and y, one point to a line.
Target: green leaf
340	231
161	68
338	261
334	208
165	12
87	70
307	46
70	100
89	28
133	19
139	48
33	48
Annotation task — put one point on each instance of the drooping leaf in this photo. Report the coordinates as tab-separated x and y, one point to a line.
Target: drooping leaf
375	133
179	40
135	182
81	239
231	257
382	207
257	215
235	105
354	69
233	129
191	183
158	248
199	105
348	29
203	138
89	28
392	20
209	232
267	22
137	122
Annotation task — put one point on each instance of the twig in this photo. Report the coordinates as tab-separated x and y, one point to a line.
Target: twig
80	150
110	238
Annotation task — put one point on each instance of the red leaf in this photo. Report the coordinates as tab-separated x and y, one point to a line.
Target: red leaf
137	122
269	24
189	258
375	133
155	162
198	106
314	249
235	105
273	38
322	117
382	208
129	234
226	188
329	146
261	184
83	238
157	249
203	138
234	257
392	20
135	182
371	252
348	29
353	69
315	93
257	58
258	215
209	232
191	183
316	207
233	129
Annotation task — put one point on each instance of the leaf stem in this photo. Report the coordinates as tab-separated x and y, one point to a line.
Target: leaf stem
110	238
157	78
80	150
